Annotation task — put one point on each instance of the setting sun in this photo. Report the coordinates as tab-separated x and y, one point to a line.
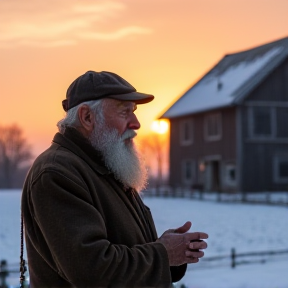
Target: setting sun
160	126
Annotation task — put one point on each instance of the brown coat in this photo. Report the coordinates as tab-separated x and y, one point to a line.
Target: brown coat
81	228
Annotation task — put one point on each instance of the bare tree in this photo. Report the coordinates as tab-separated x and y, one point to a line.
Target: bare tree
14	151
155	147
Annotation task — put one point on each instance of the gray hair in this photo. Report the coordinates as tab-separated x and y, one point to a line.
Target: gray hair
71	118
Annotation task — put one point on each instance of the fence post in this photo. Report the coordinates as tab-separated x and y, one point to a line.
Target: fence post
268	197
3	274
218	196
233	258
201	193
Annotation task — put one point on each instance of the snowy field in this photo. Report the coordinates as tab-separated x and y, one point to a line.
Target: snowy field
247	228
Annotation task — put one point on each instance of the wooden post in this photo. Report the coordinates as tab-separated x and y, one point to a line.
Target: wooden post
200	193
268	198
3	274
219	196
233	258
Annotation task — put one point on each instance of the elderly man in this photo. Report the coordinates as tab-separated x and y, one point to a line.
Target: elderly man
85	224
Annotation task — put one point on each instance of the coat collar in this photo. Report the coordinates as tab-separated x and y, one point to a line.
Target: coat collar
79	145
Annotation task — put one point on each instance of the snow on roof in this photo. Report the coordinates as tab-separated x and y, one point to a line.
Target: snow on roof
216	89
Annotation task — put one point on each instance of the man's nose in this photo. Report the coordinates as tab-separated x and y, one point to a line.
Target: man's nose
134	123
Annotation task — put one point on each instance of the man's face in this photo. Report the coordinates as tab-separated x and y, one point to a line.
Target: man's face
112	136
120	115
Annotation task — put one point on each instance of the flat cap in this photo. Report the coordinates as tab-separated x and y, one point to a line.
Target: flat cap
97	85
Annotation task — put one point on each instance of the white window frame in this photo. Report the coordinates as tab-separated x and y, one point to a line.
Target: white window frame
228	180
276	161
217	117
193	171
190	127
251	123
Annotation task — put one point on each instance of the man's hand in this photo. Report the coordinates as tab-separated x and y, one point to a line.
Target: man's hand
180	245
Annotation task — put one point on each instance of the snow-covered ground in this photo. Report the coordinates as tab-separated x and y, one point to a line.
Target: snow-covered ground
247	228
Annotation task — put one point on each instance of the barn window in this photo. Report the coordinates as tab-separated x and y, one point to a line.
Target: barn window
282	122
186	132
213	127
281	169
268	122
261	119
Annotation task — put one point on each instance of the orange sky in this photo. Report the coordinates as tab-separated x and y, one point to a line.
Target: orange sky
159	46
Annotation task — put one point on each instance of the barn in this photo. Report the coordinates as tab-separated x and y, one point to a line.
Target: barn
229	131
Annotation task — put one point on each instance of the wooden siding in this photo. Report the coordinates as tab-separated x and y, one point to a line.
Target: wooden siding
201	148
275	86
258	155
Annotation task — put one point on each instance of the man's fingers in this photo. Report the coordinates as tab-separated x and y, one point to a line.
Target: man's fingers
184	228
182	246
195	236
197	245
192	260
194	254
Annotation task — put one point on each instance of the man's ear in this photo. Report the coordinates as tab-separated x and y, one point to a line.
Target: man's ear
86	118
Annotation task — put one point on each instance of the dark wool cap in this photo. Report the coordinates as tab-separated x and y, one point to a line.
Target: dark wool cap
97	85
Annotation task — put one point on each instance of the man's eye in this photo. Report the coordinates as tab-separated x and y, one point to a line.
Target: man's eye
125	112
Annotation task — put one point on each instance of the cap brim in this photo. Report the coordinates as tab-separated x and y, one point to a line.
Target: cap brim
138	98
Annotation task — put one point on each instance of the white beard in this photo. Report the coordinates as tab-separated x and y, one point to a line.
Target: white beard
122	159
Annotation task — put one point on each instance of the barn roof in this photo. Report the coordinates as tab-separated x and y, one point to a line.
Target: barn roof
231	79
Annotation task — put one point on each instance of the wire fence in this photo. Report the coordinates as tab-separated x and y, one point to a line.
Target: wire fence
266	198
234	259
10	275
10	272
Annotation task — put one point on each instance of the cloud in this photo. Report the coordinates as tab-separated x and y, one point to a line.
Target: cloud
52	23
115	35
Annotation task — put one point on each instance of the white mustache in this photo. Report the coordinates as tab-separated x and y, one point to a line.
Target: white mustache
128	134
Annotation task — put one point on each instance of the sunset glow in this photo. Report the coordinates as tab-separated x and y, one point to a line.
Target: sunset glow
160	126
160	47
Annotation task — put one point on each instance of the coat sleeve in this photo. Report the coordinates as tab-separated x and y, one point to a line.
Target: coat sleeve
74	234
177	272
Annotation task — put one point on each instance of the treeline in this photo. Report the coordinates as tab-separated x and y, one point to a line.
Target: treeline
15	154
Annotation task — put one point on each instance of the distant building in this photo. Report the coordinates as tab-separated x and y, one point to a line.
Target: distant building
229	131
